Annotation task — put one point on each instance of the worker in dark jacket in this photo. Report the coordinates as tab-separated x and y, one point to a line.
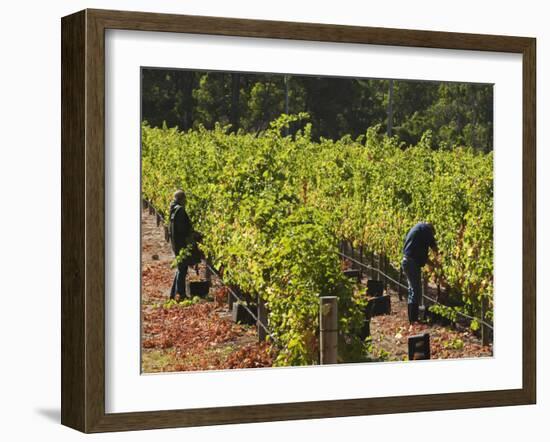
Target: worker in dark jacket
181	232
418	241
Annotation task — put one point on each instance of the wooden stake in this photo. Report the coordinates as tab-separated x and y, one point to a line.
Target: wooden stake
230	301
328	321
262	318
484	328
386	280
424	289
207	272
361	261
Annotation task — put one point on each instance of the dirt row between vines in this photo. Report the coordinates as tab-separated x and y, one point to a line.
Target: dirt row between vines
390	335
202	336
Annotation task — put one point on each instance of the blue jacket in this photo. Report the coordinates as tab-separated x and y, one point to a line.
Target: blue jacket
417	242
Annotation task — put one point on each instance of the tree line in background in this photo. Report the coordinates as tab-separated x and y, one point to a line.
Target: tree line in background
457	114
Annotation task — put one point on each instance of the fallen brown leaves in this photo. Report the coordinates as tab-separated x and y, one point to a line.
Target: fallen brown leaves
220	296
391	332
203	337
251	356
156	280
185	327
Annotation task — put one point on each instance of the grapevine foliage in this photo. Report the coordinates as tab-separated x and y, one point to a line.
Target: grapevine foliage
272	210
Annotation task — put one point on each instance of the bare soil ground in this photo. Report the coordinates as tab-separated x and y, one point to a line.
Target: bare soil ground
200	336
390	335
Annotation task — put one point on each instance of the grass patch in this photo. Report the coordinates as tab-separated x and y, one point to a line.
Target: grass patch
155	361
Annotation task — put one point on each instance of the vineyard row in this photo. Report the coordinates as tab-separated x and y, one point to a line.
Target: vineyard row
273	210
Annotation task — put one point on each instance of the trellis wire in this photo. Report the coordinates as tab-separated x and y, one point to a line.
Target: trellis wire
237	298
369	267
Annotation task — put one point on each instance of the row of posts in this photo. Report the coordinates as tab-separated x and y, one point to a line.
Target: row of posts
328	325
380	265
328	313
159	218
262	311
328	317
328	320
382	262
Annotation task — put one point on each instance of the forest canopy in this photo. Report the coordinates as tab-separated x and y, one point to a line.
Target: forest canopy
456	114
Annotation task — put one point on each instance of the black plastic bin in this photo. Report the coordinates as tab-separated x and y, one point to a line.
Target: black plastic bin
375	287
241	315
198	288
353	274
419	347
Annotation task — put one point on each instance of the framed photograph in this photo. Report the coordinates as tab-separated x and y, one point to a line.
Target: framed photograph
267	220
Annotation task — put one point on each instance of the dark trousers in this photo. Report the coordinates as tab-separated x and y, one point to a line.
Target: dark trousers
412	272
178	286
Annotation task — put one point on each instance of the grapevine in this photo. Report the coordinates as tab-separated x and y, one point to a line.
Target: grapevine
272	210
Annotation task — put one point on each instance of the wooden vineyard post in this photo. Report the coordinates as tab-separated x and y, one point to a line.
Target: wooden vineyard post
372	272
399	288
204	271
328	321
262	319
386	266
234	295
424	289
207	272
230	301
484	328
361	261
159	218
381	268
426	303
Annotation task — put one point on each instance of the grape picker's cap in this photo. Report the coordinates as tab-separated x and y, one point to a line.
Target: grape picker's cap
179	196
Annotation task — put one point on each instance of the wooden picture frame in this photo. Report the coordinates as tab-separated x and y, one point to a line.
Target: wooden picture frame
83	220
